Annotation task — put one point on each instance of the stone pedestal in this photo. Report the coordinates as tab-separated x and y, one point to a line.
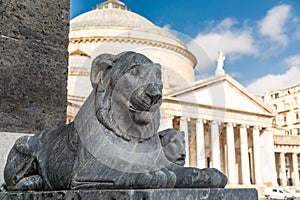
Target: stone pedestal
149	194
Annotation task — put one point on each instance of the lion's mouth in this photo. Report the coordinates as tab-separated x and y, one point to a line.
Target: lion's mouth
143	108
143	116
144	102
180	161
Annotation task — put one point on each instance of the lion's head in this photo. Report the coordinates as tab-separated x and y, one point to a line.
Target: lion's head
128	94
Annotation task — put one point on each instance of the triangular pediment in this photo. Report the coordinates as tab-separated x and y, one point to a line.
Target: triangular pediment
78	52
221	92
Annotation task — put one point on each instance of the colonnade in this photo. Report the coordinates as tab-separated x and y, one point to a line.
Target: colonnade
224	146
282	166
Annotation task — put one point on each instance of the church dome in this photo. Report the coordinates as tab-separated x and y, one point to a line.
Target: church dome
110	17
114	15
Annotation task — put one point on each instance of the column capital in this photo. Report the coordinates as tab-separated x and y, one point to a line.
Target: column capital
167	116
214	122
243	126
204	121
230	124
182	118
258	128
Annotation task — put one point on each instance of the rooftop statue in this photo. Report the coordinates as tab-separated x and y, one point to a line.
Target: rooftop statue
113	142
220	60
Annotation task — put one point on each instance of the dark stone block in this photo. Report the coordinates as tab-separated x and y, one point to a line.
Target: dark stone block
149	194
33	64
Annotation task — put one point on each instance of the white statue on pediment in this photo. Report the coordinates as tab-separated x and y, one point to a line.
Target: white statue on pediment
220	64
220	60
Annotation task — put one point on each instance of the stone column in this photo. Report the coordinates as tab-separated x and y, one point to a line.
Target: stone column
166	121
34	64
215	145
283	180
200	143
184	127
230	154
257	159
295	170
244	155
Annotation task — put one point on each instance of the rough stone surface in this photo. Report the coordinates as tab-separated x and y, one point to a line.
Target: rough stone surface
113	142
33	64
157	194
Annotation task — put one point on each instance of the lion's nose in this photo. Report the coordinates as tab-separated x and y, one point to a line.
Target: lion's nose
154	91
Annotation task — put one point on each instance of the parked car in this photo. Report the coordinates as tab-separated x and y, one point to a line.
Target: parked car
279	193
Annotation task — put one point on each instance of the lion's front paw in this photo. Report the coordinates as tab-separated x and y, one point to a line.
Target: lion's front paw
30	183
210	177
158	179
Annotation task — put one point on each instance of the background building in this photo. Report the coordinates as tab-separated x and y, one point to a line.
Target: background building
286	103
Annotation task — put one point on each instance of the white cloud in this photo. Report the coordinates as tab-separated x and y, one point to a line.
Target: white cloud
272	82
293	60
228	39
226	24
273	24
167	26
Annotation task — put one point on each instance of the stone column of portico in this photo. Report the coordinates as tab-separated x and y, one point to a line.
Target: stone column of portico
184	127
200	143
283	179
230	154
244	155
257	159
295	170
215	145
166	121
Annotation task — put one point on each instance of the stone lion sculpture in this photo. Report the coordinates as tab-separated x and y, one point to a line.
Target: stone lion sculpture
113	141
173	145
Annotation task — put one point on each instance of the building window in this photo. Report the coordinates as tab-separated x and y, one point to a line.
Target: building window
284	119
287	132
297	115
276	95
291	132
298	131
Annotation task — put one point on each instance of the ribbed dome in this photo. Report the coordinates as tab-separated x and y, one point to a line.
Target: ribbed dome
110	18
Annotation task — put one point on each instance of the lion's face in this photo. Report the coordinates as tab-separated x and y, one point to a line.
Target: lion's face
133	89
145	99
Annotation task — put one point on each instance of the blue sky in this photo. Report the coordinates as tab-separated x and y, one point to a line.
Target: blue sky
260	39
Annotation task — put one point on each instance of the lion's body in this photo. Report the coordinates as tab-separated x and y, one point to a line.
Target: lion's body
69	165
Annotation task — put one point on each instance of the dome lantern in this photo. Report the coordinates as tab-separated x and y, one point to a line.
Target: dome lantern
112	4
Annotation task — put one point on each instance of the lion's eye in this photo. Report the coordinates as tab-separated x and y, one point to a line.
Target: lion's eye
134	71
